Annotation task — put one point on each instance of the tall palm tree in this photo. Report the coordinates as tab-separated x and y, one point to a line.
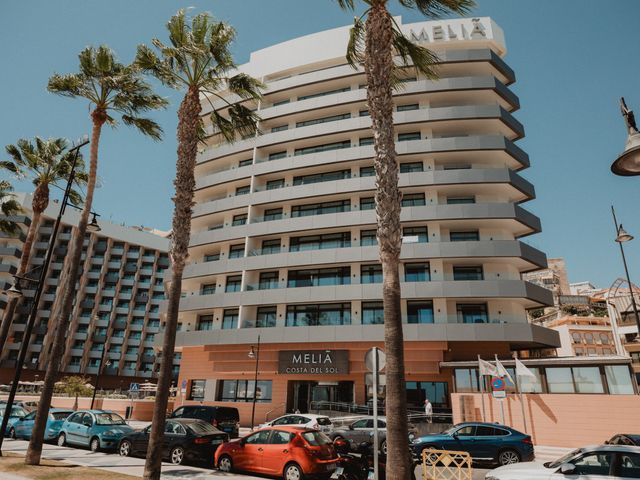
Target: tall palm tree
9	207
46	163
198	61
111	88
375	40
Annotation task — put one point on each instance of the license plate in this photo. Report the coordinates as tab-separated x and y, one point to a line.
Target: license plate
339	470
227	429
216	441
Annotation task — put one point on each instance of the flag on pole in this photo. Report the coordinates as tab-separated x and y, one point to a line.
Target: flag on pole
487	368
502	372
522	370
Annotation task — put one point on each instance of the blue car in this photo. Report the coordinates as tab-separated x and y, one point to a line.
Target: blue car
96	429
485	442
16	414
22	427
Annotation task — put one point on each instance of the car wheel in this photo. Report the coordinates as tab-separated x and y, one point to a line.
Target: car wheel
124	450
12	433
293	472
508	457
62	440
177	455
383	447
225	464
94	444
337	437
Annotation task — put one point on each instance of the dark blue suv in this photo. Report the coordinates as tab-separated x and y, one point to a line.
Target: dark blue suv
485	442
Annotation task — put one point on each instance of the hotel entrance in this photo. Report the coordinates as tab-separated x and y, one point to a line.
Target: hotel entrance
310	396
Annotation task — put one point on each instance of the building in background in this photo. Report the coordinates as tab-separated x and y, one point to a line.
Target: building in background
553	278
283	242
116	306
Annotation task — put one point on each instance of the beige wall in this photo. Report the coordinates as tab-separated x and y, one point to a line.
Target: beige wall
559	420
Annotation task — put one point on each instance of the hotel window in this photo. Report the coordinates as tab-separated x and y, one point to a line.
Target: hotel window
230	319
268	280
559	380
315	121
277	155
320	242
245	163
416	272
466	380
318	314
368	238
468	273
403	137
196	392
472	313
587	380
319	277
531	385
242	391
282	102
322	177
240	219
270	246
421	233
411	167
266	317
275	184
272	214
367	171
618	380
243	190
208	289
605	339
322	94
280	128
460	200
371	273
372	313
236	251
457	167
212	257
406	108
367	203
364	113
75	361
436	392
588	337
323	148
320	208
420	312
233	283
470	236
579	351
413	200
577	338
364	141
205	322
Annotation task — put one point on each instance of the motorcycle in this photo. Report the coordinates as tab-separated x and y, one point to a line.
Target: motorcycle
356	465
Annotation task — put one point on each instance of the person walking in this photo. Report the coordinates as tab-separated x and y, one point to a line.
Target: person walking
428	410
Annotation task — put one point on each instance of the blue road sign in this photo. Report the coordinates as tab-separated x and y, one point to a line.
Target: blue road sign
184	384
134	387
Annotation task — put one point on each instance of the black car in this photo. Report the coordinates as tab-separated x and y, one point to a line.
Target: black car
226	419
624	439
184	439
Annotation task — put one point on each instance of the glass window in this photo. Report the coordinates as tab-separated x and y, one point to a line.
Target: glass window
588	337
322	177
484	431
420	312
245	163
367	171
205	322
372	313
281	438
243	190
411	167
280	128
320	208
272	214
460	200
319	314
560	380
629	465
472	313
416	272
403	137
277	155
618	379
436	392
411	234
466	380
468	273
236	251
323	148
242	391
197	390
270	246
413	200
367	203
258	438
468	431
230	319
319	277
405	108
266	317
233	283
212	257
587	380
364	141
368	238
470	236
322	94
275	184
268	280
371	273
531	385
577	337
240	219
596	463
320	242
208	289
605	339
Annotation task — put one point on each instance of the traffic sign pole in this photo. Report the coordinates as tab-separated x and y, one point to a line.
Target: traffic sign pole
375	413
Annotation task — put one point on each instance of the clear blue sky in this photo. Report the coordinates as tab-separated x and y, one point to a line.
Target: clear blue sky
573	59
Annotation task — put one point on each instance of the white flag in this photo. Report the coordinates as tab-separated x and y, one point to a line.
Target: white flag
523	371
487	368
502	372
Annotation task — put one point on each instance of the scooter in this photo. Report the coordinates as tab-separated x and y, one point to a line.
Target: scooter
354	465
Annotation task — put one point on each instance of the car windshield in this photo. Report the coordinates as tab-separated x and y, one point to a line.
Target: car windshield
450	430
202	427
109	419
563	459
16	412
316	438
61	415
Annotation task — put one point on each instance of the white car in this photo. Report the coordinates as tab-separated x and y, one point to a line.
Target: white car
602	462
309	420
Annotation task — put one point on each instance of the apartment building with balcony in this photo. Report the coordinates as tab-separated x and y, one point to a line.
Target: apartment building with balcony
283	242
117	306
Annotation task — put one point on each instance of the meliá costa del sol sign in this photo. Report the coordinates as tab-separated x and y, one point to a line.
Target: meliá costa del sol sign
315	362
442	31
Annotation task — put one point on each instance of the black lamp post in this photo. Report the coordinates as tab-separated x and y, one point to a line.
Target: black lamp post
95	387
255	354
628	162
621	237
15	291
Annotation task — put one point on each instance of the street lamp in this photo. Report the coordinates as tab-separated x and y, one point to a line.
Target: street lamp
628	162
24	347
621	237
255	354
95	387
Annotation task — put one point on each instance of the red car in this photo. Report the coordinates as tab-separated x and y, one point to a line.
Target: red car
289	452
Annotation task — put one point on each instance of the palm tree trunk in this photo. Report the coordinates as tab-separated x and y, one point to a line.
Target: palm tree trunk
378	67
63	308
38	205
188	118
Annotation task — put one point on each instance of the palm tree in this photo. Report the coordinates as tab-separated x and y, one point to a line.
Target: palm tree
198	61
9	207
111	88
46	163
374	42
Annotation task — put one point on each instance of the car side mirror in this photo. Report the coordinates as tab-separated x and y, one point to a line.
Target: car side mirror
242	442
567	468
350	427
454	434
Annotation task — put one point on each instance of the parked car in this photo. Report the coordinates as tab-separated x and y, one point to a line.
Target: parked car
591	463
16	414
96	429
309	420
226	419
624	439
22	428
288	452
362	431
486	442
185	439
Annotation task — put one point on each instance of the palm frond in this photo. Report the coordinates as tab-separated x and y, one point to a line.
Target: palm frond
440	8
144	125
412	54
245	86
355	47
346	4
